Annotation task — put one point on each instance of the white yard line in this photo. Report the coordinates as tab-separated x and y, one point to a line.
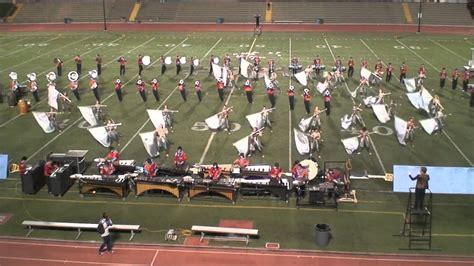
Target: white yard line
28	47
211	138
289	114
41	55
444	131
371	141
83	76
165	100
80	118
14	41
449	50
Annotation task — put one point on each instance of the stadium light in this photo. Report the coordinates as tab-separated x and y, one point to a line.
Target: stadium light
105	19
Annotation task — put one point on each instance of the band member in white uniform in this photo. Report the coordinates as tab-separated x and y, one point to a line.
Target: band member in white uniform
316	121
254	142
162	138
380	97
410	134
436	105
314	141
364	140
265	118
167	117
356	118
112	133
224	118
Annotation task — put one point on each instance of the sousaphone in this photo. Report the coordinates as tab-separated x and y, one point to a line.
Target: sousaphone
215	60
182	60
146	60
73	76
93	74
51	76
13	76
31	76
196	62
168	60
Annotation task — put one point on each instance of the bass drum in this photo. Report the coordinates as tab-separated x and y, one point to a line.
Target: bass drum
312	168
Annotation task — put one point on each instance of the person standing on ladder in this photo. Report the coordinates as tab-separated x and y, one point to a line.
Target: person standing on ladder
421	185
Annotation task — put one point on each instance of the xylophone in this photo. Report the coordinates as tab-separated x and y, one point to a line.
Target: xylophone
198	186
92	184
168	180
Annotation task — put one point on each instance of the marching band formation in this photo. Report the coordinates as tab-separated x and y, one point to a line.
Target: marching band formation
308	134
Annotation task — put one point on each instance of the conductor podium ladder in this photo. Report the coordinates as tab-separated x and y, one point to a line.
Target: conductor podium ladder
418	223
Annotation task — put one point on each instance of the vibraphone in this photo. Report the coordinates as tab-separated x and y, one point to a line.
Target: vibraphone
169	180
200	186
93	184
255	181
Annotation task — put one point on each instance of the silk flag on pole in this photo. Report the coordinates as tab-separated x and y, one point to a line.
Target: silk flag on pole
381	112
421	99
301	77
321	87
255	120
150	144
351	144
213	122
429	125
100	134
304	123
156	117
242	145
88	114
346	121
244	68
365	73
410	84
43	122
53	97
400	129
301	142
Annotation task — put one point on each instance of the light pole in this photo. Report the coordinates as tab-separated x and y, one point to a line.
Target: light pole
420	15
105	19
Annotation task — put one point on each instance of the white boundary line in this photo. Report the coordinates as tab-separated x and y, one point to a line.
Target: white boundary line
83	76
347	88
211	138
289	114
166	99
41	55
64	261
154	257
349	256
14	41
449	50
444	131
80	118
16	51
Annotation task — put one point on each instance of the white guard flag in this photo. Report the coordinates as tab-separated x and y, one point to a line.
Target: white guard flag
346	121
219	73
255	120
421	99
53	97
351	144
267	81
301	77
301	142
369	101
401	129
242	145
321	87
43	122
429	125
150	144
381	112
410	84
304	123
213	122
244	68
365	73
88	115
100	134
156	117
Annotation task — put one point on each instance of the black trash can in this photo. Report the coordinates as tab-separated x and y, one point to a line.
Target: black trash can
319	21
220	20
67	20
322	234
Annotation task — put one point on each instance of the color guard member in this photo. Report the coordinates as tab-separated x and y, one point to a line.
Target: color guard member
314	141
191	66
316	120
155	85
224	118
350	67
421	74
271	67
317	64
112	134
389	73
254	142
338	63
162	138
266	118
465	79
410	134
364	141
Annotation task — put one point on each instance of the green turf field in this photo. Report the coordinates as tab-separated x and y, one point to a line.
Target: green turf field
367	226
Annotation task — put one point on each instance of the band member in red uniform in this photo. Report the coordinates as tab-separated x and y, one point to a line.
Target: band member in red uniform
98	62
248	90
49	167
291	97
78	61
93	85
378	66
403	72
32	86
242	161
327	101
155	85
442	77
455	76
191	66
365	64
180	158
389	71
59	66
220	89
421	74
22	166
198	89
141	89
271	67
276	172
307	100
163	65
465	79
215	172
271	94
182	89
122	62
257	60
350	67
150	168
227	60
178	65
317	65
118	89
73	86
113	156
107	169
140	64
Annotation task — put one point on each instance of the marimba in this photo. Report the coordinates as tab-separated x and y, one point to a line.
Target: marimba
169	180
93	184
208	187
